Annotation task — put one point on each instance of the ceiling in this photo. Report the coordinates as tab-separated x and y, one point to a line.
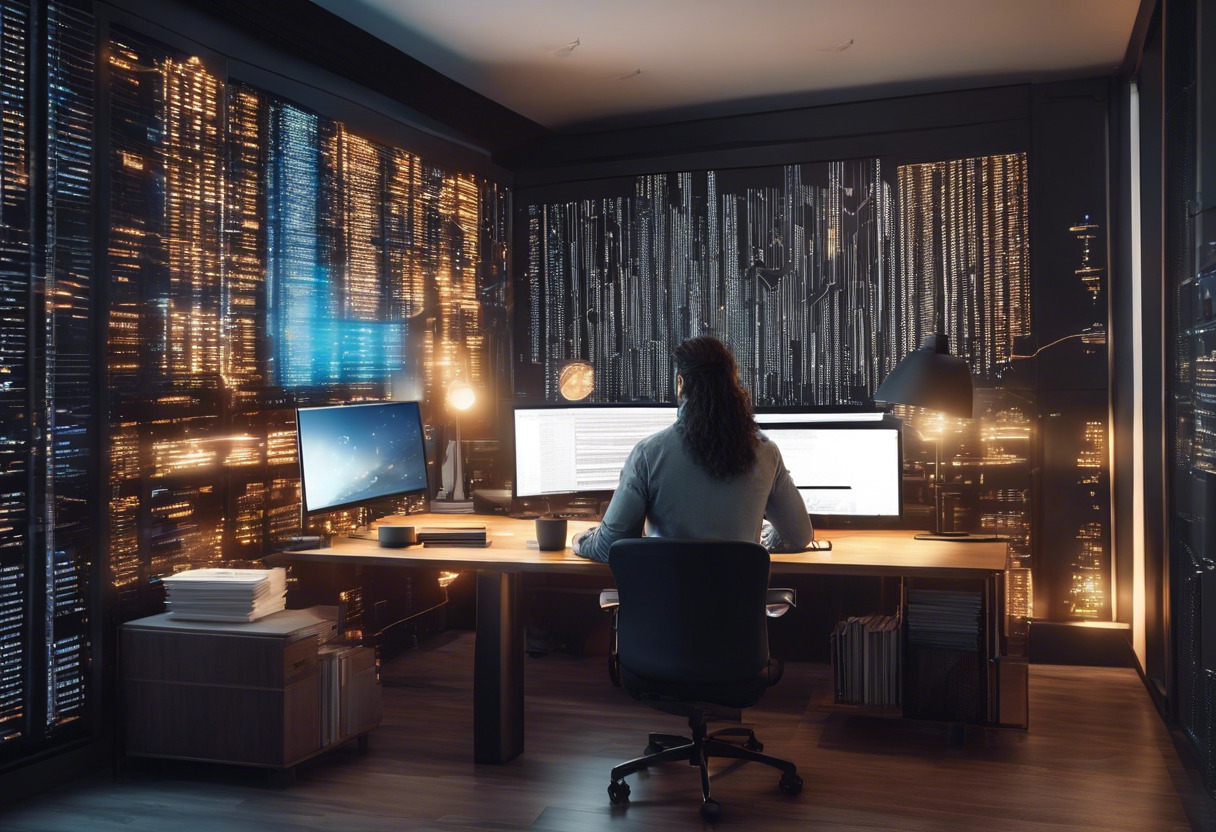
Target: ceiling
717	57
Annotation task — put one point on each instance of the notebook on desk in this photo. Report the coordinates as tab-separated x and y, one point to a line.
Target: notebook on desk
483	543
474	535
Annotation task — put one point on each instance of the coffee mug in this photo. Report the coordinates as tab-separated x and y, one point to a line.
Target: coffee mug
550	534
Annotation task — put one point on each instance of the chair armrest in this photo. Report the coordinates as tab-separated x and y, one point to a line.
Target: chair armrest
778	602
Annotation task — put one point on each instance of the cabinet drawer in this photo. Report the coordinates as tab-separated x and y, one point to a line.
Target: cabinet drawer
230	725
244	661
299	661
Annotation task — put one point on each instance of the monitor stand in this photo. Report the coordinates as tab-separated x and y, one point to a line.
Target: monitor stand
444	506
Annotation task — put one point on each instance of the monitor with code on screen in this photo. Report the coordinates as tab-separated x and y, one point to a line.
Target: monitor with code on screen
579	448
843	469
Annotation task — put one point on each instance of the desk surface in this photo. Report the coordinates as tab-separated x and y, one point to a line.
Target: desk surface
854	552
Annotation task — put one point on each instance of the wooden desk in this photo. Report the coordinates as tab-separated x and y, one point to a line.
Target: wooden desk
498	718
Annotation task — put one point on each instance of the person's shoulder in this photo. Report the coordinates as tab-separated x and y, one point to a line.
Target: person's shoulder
764	444
765	447
671	433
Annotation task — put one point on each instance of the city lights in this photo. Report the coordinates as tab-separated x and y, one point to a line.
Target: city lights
265	256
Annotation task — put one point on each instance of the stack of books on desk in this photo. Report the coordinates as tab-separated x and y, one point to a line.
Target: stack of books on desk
475	536
944	619
229	595
866	660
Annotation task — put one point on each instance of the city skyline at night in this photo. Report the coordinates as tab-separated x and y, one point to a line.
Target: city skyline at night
263	256
820	277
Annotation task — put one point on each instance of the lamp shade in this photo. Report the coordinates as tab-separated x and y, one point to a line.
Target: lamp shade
932	378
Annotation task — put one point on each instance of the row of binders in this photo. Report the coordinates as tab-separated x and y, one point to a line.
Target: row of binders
474	536
944	619
867	660
348	672
226	595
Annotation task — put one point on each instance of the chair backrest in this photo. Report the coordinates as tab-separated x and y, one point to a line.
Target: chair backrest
692	611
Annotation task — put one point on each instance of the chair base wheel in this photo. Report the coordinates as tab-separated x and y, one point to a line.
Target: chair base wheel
711	811
790	784
618	792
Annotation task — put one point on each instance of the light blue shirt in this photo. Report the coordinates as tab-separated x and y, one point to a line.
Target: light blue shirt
663	492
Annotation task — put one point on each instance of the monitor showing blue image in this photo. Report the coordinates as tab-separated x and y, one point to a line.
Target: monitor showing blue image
352	454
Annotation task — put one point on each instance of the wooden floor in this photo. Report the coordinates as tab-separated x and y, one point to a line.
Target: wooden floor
1096	757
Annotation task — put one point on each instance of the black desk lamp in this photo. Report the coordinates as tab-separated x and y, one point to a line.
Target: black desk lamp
932	378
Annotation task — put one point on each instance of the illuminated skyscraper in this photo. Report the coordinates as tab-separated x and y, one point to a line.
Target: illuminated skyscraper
1089	274
15	434
296	277
243	288
46	375
1087	593
964	236
191	155
1092	277
1203	453
69	554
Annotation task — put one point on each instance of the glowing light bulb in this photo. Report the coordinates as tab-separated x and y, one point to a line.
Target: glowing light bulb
461	395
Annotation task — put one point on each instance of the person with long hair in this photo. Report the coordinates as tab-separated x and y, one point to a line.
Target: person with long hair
712	475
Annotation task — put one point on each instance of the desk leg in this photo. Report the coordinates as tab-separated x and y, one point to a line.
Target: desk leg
498	670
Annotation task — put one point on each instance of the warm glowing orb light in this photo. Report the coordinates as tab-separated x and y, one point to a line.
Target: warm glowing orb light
576	381
461	395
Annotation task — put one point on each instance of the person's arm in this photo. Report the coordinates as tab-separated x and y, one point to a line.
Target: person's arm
791	526
626	514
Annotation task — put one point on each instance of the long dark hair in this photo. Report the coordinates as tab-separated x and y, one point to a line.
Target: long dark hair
719	428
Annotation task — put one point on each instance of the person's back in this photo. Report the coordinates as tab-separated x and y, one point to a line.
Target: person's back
711	475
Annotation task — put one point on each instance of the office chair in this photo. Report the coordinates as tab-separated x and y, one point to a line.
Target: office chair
693	641
777	603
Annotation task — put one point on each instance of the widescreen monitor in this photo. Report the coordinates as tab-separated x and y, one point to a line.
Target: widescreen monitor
570	449
355	453
787	415
843	469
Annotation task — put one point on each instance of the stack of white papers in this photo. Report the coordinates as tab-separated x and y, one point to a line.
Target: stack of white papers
226	594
